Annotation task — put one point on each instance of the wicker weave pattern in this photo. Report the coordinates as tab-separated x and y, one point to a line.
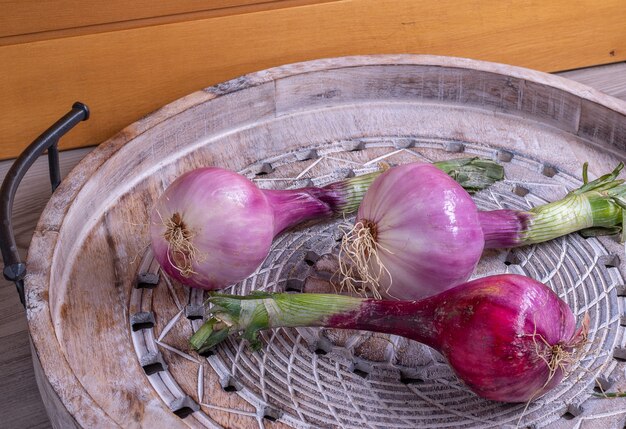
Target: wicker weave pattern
310	378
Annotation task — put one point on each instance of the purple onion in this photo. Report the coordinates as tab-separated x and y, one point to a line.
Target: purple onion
424	231
209	248
507	337
213	227
418	232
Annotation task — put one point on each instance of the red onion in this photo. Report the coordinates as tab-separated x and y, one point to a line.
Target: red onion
417	232
212	227
507	337
230	237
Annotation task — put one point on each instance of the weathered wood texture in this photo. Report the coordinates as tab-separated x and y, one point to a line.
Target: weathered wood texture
16	375
123	73
22	406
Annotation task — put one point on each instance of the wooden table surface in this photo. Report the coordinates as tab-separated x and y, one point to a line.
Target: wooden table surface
21	405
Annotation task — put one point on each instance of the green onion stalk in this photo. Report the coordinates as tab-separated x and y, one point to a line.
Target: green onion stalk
596	208
473	174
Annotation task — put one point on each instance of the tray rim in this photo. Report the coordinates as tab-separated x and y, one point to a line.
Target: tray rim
56	368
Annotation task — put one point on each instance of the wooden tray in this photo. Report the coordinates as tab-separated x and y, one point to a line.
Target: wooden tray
110	331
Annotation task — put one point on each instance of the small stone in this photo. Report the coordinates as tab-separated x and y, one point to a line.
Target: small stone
609	261
604	383
575	409
303	155
454	147
184	406
520	191
619	353
194	311
147	280
548	170
403	143
142	320
504	155
264	168
152	363
352	145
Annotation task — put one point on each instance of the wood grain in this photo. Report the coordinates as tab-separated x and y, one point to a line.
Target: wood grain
16	376
33	20
610	78
22	407
125	74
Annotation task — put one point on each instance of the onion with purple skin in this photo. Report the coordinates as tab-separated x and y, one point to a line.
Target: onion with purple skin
418	233
507	337
212	227
210	247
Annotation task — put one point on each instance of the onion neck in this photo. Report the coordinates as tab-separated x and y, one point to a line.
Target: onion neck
292	207
410	319
248	315
513	228
503	228
596	208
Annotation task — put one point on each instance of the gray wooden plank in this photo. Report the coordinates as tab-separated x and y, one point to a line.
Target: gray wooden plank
21	406
610	79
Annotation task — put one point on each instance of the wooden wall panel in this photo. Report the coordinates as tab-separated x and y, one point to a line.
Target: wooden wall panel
125	74
34	16
32	20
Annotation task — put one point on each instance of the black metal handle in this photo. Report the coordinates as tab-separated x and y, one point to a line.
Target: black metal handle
14	269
